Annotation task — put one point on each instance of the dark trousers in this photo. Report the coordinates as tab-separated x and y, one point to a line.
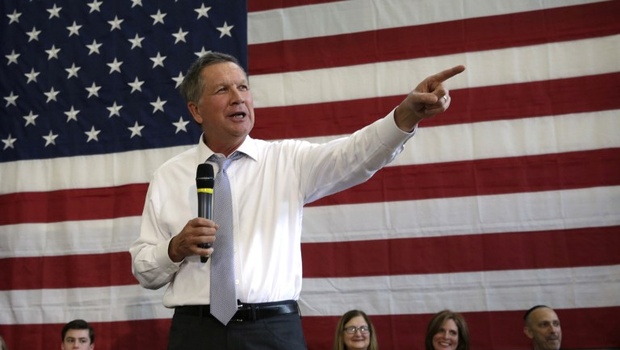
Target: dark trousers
195	332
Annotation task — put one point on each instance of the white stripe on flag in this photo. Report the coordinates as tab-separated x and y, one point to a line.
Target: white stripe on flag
523	212
582	287
69	237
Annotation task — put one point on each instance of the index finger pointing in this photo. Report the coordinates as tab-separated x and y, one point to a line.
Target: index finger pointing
447	74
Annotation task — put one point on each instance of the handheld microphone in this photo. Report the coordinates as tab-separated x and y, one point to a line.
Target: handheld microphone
204	186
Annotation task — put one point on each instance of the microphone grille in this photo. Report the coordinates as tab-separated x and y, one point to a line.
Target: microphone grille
204	176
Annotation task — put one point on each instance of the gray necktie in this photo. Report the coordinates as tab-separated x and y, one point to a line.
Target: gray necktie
223	295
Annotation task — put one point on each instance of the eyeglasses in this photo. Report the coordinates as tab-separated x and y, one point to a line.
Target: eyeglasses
353	329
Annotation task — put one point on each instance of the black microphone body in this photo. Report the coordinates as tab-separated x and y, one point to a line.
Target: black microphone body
204	186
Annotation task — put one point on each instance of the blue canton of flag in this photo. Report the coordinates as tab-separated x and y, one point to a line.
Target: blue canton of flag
84	78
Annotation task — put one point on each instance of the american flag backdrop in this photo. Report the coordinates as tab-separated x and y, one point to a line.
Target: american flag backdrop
509	199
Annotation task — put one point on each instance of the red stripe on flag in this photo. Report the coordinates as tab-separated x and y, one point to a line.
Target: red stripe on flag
484	252
75	204
49	272
264	5
557	171
482	104
436	39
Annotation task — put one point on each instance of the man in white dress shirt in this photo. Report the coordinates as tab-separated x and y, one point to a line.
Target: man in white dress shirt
270	184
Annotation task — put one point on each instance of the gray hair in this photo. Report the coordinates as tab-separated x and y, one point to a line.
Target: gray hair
192	85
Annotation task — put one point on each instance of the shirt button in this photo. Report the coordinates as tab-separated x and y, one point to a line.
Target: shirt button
236	281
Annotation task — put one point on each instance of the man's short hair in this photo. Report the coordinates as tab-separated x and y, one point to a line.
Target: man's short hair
78	324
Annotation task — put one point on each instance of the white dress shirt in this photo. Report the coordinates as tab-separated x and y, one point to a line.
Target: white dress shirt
270	185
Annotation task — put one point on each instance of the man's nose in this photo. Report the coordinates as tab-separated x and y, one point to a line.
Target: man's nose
237	96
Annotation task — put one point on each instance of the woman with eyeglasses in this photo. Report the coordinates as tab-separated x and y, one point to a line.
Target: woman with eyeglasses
447	330
355	332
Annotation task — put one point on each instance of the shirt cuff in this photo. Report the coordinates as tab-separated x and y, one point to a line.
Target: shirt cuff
163	259
390	134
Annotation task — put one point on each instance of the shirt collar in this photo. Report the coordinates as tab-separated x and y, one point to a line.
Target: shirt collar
248	147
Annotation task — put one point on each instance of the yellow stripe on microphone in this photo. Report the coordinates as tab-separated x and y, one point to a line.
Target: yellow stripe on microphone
205	190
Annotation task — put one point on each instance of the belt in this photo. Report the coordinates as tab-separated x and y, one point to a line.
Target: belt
246	311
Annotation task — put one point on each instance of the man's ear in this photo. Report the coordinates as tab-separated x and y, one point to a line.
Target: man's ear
528	332
193	109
